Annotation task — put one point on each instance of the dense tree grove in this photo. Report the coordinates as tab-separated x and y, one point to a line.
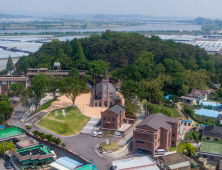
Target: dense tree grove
158	67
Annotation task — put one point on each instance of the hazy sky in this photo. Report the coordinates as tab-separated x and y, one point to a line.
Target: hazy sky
160	8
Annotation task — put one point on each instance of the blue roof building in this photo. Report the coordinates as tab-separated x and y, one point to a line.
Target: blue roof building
186	121
167	97
213	104
207	112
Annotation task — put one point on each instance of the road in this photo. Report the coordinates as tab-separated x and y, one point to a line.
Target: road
2	164
81	144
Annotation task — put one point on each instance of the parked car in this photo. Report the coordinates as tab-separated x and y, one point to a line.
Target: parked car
94	134
99	134
8	164
160	152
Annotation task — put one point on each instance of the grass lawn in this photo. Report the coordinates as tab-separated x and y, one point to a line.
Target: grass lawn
180	147
111	146
76	121
174	110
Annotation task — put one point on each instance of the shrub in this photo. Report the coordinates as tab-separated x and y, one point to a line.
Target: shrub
36	133
54	140
58	141
28	127
49	137
42	135
63	145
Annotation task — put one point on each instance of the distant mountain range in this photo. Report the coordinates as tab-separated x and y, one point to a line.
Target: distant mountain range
132	16
13	16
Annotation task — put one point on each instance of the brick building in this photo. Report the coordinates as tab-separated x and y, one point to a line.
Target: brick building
7	80
104	94
157	131
113	117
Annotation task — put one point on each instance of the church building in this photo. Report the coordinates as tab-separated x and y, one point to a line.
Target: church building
104	94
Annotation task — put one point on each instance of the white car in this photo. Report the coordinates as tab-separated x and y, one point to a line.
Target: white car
99	134
94	134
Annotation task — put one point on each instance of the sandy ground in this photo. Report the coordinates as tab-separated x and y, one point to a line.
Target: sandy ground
83	102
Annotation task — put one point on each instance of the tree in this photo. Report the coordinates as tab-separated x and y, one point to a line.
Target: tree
63	145
39	84
189	149
129	90
16	88
74	72
169	113
10	66
98	67
72	87
168	64
42	135
25	98
65	126
132	108
109	135
4	110
49	137
68	49
77	53
174	98
36	133
53	84
28	127
58	141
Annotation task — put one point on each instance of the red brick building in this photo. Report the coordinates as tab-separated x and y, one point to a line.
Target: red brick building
7	80
113	117
157	131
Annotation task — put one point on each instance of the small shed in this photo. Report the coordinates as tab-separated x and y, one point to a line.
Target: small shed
187	122
14	101
186	99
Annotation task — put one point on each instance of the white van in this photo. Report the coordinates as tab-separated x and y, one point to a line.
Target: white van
160	152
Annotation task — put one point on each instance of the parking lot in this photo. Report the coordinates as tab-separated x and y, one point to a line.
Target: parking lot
2	164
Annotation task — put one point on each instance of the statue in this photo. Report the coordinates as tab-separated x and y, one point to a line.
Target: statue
107	141
63	113
56	113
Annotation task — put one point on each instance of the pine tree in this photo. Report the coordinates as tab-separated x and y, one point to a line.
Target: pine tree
68	49
77	53
10	66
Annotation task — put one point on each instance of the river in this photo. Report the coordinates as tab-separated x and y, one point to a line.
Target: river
147	27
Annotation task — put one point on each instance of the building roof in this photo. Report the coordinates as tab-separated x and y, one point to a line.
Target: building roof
187	121
216	85
172	159
50	72
156	121
220	117
220	164
13	78
211	147
10	132
213	130
89	86
15	98
197	93
67	163
187	98
117	108
207	112
214	104
181	129
37	69
87	167
31	153
135	163
167	97
179	165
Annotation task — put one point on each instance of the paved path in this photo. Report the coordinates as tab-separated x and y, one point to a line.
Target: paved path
130	134
90	125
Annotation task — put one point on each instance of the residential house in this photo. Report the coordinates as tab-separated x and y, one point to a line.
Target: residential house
156	131
187	122
210	150
194	96
216	86
212	133
135	163
173	161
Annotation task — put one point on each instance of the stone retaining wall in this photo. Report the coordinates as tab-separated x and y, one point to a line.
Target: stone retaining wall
123	152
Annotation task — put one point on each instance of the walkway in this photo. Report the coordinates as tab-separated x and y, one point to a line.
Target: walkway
90	125
124	140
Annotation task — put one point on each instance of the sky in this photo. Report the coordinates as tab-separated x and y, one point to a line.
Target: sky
156	8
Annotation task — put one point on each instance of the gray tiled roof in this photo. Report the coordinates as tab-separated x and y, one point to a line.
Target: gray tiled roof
15	98
220	117
156	121
208	129
116	108
197	93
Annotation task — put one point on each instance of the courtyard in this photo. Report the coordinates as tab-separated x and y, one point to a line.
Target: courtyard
54	121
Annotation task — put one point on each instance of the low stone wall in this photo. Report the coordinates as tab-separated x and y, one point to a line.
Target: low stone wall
123	152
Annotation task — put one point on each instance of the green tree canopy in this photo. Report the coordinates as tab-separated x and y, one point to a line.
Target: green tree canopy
72	87
16	88
10	66
77	53
74	72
